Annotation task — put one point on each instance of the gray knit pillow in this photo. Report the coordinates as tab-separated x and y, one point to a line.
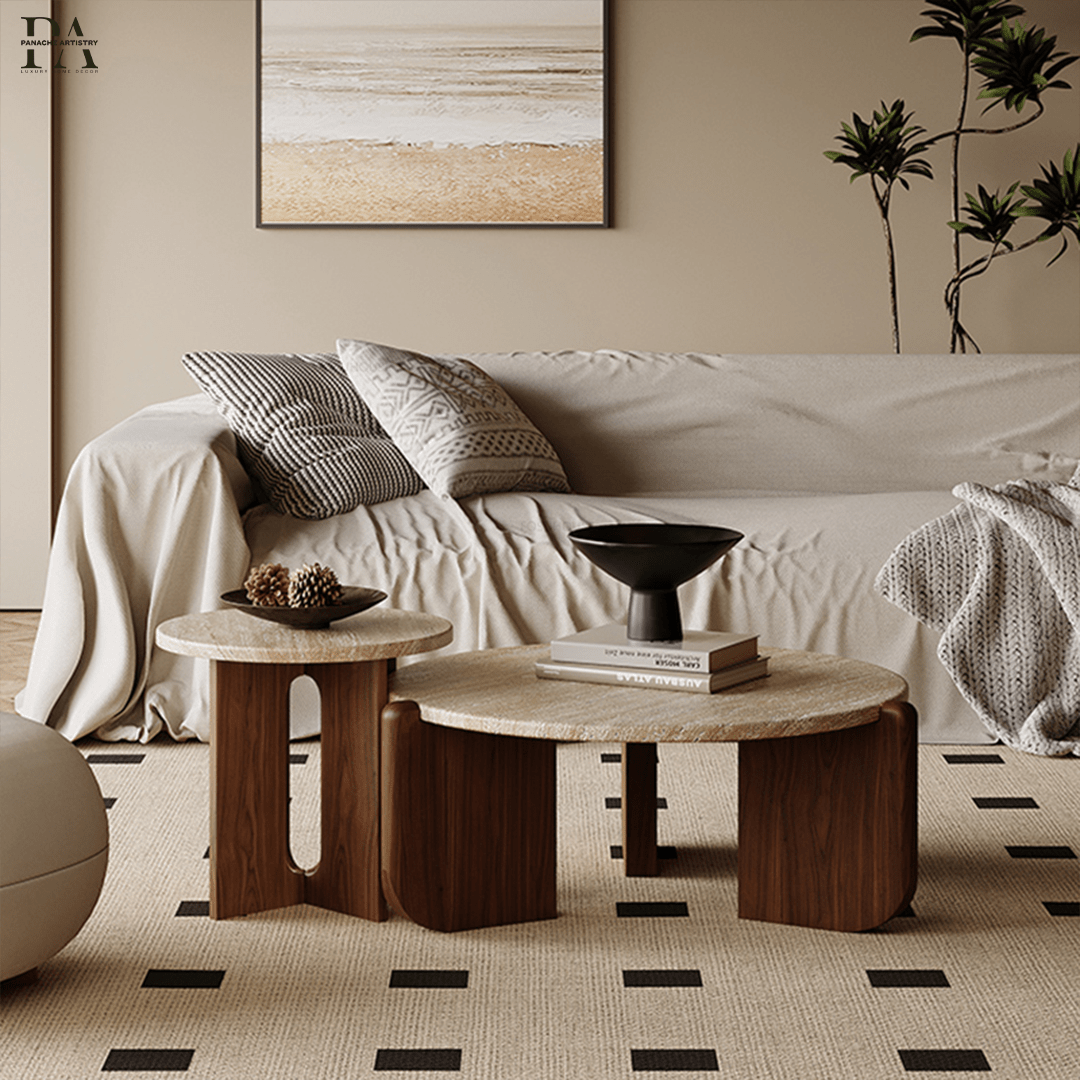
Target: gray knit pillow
459	429
303	432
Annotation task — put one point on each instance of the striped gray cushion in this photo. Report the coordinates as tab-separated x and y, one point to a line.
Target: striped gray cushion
458	427
303	432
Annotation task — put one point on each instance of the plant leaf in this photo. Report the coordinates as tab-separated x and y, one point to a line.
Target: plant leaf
1018	65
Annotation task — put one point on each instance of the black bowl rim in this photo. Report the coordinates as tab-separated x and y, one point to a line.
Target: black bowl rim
720	534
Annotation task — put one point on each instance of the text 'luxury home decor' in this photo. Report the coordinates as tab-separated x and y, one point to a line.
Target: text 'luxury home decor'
431	112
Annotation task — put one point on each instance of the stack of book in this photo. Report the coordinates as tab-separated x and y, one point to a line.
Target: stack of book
703	662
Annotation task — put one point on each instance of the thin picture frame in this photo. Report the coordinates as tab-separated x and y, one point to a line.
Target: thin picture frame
370	114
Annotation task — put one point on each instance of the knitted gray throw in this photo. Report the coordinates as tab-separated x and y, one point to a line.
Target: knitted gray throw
999	577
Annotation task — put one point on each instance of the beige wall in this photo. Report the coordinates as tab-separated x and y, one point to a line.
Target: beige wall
732	233
25	313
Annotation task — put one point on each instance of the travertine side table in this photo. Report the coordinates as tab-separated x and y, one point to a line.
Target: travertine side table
827	785
253	664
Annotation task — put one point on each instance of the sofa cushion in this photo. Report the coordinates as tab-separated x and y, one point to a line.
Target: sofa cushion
695	423
460	430
303	431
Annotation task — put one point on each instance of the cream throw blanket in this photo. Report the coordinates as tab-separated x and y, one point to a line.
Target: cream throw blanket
999	577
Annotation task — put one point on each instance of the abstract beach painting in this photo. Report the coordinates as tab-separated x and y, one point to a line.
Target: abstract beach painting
432	112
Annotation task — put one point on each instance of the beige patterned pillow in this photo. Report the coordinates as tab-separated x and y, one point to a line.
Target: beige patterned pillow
456	426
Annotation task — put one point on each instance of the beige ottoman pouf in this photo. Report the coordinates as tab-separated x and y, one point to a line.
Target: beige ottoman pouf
54	843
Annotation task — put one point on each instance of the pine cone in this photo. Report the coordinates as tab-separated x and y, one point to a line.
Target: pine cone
314	586
268	585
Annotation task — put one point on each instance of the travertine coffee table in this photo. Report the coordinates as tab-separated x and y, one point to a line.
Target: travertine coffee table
253	664
827	785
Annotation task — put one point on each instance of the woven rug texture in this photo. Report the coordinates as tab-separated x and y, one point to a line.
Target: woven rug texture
981	974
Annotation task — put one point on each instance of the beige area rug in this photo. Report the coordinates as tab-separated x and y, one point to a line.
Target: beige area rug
980	976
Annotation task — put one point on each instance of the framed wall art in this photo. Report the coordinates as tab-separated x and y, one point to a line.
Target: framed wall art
432	112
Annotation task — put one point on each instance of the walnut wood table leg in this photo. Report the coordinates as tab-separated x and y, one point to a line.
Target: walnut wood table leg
827	824
347	878
639	810
468	824
254	662
250	866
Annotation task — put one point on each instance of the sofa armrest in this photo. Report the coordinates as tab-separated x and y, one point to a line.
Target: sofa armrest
149	528
185	430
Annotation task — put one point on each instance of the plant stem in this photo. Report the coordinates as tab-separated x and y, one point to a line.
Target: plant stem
974	270
957	340
882	200
954	306
980	265
1040	109
988	131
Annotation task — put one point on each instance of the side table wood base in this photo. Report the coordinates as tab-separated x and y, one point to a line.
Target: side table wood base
468	824
251	867
828	825
640	857
253	662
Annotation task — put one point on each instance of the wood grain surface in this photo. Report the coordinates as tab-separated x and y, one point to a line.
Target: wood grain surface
827	825
468	824
250	865
639	810
347	878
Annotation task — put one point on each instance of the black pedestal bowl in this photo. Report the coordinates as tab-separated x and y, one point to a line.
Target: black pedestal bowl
654	560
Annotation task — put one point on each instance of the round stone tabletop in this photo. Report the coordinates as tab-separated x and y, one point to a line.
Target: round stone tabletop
376	634
497	691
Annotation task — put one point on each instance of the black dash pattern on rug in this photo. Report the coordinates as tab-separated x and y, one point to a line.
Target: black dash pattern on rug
148	1061
441	1059
652	909
614	802
183	979
944	1061
114	759
1005	802
662	977
674	1061
1040	851
663	851
1062	907
974	759
429	980
906	977
193	909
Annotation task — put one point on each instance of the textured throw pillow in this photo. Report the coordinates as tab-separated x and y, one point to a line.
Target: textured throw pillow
303	432
459	429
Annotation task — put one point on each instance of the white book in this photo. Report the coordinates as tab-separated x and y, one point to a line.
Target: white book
699	650
651	679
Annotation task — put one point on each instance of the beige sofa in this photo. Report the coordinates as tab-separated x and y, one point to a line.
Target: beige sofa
824	463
